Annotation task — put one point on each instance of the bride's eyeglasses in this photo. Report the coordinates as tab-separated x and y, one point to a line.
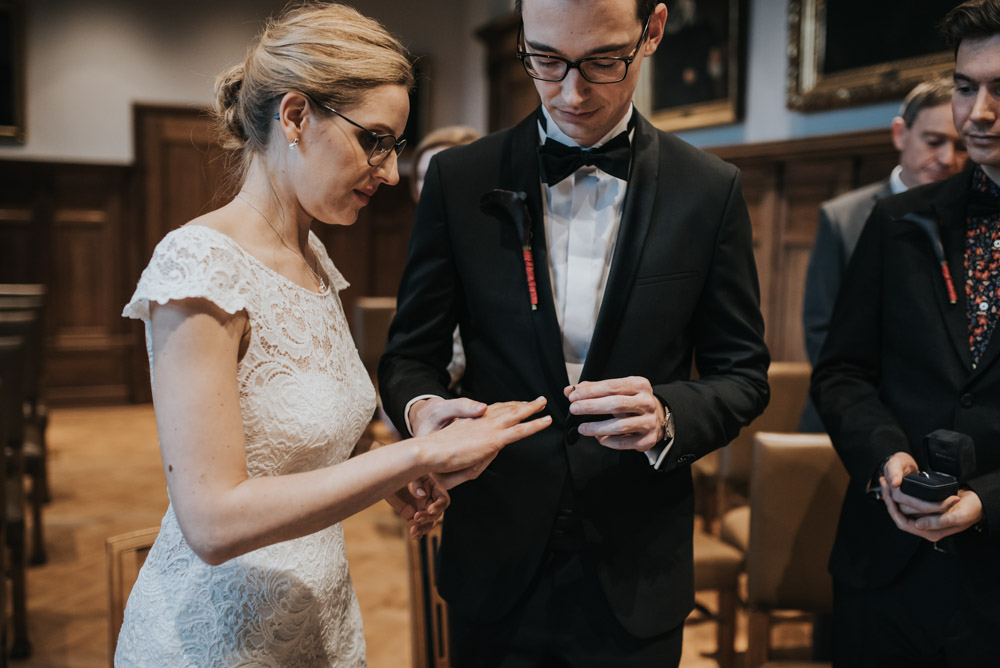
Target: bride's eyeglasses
378	146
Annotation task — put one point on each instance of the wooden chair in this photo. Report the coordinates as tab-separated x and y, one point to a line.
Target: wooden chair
428	610
31	297
126	554
717	567
3	533
12	375
789	383
26	323
796	490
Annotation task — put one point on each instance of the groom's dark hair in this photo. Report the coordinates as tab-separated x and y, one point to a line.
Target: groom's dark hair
643	8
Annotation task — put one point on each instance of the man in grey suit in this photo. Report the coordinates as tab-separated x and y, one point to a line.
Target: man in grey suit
929	150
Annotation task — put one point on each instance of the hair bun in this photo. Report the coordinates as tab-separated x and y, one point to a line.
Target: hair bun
227	106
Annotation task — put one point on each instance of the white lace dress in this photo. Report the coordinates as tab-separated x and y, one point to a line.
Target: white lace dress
305	399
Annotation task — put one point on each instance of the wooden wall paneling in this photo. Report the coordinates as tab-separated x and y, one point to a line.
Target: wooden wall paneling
806	173
350	249
61	225
512	94
390	233
874	167
807	182
90	351
372	252
760	189
16	230
25	218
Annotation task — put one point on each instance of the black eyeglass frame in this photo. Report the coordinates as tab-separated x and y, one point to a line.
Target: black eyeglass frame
377	140
571	64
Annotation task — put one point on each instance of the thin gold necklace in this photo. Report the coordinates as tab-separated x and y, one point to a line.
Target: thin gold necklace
319	280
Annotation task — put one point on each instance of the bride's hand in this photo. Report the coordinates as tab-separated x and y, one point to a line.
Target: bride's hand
463	449
421	503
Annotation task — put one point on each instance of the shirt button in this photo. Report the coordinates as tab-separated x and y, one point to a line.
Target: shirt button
966	401
984	306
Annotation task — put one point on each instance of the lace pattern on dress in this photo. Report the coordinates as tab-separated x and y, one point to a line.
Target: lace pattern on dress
305	399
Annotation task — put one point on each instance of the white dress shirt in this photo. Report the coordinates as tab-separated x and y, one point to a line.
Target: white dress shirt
582	215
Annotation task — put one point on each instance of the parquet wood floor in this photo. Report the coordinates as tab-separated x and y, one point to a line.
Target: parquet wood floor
106	479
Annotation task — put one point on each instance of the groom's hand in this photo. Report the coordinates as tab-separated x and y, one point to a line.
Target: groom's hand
434	413
637	416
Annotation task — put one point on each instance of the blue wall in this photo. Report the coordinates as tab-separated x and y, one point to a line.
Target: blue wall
767	118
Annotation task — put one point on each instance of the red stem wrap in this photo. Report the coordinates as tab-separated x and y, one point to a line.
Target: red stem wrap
529	269
952	297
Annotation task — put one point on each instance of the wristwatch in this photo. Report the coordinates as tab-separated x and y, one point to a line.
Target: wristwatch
668	425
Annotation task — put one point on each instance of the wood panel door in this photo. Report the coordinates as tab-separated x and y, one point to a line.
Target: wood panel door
180	174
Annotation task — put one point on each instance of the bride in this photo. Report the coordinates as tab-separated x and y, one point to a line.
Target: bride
259	393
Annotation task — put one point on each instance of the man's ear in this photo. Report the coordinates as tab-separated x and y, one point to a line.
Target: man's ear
657	23
899	131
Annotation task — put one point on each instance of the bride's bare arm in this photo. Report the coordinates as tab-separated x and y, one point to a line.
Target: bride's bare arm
221	511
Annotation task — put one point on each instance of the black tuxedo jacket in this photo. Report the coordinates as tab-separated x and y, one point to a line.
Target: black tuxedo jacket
896	366
682	286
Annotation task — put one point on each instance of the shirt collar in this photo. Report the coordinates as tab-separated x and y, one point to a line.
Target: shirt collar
896	181
549	130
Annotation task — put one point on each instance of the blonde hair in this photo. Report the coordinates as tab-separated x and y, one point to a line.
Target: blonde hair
446	137
329	52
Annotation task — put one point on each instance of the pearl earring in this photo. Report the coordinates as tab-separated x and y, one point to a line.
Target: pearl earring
294	144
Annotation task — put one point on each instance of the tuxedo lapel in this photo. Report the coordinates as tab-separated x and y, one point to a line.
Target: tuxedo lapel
636	216
946	215
520	173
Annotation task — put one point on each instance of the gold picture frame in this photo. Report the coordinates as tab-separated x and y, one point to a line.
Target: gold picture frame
813	85
698	69
12	71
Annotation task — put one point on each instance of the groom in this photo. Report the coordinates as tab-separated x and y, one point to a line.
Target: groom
594	280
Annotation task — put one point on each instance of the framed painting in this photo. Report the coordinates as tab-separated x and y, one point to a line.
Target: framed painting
11	71
852	52
698	69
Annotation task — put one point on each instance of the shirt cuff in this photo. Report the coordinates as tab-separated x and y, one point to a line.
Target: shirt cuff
874	489
658	453
409	405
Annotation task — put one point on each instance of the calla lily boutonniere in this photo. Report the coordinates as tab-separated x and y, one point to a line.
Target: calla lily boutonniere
516	209
930	228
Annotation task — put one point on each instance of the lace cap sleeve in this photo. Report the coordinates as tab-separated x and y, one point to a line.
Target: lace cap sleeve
192	262
337	280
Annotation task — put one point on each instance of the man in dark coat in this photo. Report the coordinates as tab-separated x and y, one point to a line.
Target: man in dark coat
913	349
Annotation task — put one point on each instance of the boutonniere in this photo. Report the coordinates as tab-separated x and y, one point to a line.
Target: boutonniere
930	228
513	204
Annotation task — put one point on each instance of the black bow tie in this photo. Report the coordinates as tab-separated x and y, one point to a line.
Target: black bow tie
557	161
